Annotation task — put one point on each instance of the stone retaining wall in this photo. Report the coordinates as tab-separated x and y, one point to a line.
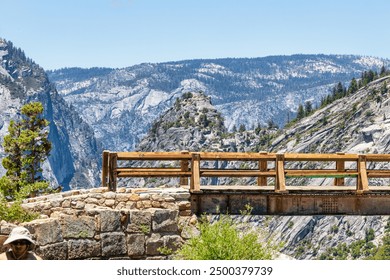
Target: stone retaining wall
98	224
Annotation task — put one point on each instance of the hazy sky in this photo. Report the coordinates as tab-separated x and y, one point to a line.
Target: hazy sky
120	33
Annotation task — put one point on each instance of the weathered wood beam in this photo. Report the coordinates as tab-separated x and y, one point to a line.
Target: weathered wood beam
231	156
362	182
195	176
320	157
105	168
113	163
340	166
280	185
263	165
184	167
153	156
320	172
235	173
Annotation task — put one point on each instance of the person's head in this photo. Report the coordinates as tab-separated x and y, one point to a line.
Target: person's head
20	240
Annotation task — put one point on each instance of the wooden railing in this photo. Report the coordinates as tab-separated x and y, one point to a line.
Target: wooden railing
269	165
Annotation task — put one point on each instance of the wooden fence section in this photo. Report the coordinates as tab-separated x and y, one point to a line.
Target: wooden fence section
269	165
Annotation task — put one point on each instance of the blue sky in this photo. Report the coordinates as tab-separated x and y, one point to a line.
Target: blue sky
120	33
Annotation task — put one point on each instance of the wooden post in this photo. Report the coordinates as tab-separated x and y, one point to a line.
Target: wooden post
184	168
340	167
280	182
362	182
195	173
113	158
105	168
263	164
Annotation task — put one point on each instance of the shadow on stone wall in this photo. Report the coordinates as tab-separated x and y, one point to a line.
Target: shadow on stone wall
97	224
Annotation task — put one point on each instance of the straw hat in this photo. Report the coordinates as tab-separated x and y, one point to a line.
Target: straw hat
19	233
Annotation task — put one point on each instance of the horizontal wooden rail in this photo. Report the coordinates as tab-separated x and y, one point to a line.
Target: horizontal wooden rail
321	157
268	165
235	173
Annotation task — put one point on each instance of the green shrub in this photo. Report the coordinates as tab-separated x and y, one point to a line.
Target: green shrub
224	240
383	252
13	212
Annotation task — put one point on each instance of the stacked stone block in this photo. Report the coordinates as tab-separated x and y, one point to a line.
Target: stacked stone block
98	224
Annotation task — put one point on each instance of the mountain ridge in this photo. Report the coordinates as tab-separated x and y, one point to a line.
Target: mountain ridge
245	91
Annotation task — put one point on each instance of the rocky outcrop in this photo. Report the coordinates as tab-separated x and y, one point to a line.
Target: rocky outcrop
121	104
73	161
191	124
322	237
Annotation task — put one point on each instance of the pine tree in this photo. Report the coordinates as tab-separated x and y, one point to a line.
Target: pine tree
384	88
258	129
27	146
353	86
34	141
301	112
308	107
340	91
383	71
13	162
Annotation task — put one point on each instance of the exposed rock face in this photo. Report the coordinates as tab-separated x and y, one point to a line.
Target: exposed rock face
311	237
358	123
121	104
72	162
191	124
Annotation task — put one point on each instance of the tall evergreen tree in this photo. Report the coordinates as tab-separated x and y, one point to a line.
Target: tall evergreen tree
301	112
242	128
383	71
308	107
13	162
27	147
353	86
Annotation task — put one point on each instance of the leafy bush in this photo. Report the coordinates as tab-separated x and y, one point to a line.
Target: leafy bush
15	213
383	252
356	250
224	240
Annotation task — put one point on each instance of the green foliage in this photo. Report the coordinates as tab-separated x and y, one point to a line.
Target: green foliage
242	128
383	252
187	95
308	107
164	250
27	146
383	89
356	250
370	235
203	120
224	240
339	91
271	124
353	86
13	212
367	77
301	112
